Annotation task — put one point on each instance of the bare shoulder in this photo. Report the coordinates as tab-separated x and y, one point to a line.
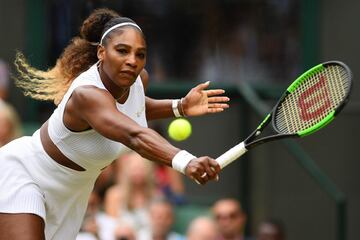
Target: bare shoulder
89	95
83	102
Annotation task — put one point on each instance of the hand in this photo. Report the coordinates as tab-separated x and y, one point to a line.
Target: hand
203	169
200	101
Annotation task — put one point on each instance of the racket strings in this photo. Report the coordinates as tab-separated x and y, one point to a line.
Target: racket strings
313	100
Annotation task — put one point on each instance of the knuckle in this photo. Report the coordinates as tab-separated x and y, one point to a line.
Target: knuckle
193	171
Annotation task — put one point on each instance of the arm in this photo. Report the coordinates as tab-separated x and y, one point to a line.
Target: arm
97	108
197	102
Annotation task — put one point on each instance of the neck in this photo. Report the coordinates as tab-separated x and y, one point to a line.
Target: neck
119	93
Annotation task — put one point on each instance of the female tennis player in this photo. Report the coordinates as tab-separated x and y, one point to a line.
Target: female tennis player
98	85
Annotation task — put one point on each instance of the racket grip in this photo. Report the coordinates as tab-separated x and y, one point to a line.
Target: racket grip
231	155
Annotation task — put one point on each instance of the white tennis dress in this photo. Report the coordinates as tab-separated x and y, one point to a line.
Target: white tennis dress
32	182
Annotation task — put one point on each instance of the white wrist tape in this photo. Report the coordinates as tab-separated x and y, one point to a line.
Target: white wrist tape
181	160
175	109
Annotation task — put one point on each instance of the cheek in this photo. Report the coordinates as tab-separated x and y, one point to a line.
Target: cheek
143	63
110	66
113	58
140	67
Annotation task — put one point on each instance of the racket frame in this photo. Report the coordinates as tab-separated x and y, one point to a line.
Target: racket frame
241	148
332	114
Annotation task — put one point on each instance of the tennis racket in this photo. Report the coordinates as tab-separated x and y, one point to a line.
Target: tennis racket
312	101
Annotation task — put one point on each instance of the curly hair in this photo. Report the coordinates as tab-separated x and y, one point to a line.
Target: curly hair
77	57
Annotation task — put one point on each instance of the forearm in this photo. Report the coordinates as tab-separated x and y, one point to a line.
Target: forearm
160	109
150	145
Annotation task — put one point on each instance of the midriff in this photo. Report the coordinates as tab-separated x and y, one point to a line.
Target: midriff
53	151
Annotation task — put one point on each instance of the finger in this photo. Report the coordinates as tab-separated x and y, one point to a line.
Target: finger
218	99
196	181
210	169
201	179
210	172
214	92
218	105
202	86
216	178
214	110
215	165
197	175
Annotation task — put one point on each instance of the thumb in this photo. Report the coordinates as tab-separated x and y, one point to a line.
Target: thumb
202	86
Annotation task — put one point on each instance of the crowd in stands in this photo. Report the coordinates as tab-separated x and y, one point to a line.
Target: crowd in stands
136	206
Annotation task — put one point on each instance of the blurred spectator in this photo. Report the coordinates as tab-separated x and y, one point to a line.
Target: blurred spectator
233	59
86	236
170	184
4	80
230	219
129	198
271	230
202	228
161	221
125	231
10	127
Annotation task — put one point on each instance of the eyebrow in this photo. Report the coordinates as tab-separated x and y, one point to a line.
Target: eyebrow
128	46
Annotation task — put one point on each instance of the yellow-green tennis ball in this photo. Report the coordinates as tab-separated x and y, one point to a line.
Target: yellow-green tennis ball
179	129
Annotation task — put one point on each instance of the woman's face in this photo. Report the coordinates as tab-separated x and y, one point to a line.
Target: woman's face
124	56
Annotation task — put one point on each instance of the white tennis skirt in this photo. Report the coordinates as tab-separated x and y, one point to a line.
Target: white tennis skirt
32	182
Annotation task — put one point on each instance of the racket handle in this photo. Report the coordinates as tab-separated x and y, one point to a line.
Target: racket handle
231	155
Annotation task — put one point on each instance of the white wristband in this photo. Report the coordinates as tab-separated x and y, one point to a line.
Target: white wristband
181	160
175	109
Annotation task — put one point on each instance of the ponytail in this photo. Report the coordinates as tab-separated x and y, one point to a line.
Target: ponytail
78	56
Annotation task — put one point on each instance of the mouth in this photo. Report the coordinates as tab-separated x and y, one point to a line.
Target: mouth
128	73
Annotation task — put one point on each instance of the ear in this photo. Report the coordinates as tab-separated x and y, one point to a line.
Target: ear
100	52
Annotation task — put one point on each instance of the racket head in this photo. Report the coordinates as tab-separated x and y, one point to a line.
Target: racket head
313	99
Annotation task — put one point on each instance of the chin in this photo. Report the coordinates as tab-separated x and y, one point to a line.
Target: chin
126	81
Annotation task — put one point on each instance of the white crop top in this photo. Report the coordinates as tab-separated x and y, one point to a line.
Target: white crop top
89	149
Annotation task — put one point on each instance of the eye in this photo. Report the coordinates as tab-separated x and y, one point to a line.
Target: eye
141	55
122	51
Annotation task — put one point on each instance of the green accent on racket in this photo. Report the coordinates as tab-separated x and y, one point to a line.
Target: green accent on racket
318	126
264	121
305	76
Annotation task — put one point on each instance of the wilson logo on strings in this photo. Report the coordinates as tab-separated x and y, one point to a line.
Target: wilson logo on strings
314	101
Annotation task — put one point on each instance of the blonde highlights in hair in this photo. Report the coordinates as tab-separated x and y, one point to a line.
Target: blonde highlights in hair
78	56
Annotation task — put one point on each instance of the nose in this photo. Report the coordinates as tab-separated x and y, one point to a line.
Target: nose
131	60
